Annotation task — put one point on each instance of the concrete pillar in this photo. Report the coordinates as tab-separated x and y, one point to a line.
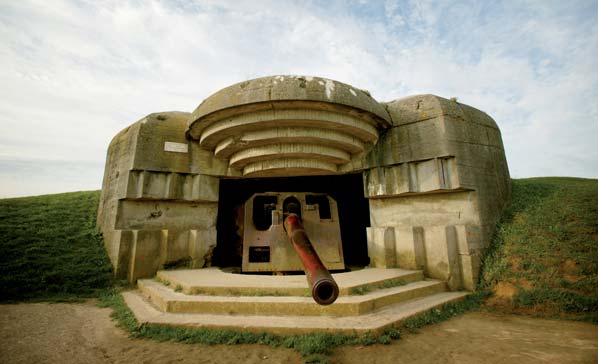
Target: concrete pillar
125	240
469	246
145	254
454	280
442	257
381	247
200	242
419	248
178	245
410	247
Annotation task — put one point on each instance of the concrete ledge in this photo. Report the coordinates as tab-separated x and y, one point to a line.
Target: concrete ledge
287	166
170	301
287	151
259	138
293	118
146	313
216	282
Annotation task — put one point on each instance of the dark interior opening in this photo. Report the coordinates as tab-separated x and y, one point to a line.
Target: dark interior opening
346	190
259	254
325	292
323	205
291	205
262	211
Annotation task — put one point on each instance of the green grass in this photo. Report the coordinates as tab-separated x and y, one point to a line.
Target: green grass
544	257
50	249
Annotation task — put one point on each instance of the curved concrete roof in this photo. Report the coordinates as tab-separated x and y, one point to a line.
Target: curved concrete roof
310	124
289	88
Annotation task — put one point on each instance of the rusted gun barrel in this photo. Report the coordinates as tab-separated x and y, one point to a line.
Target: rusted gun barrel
324	289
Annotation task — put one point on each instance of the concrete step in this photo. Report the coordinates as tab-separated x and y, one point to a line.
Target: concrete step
168	300
147	313
213	281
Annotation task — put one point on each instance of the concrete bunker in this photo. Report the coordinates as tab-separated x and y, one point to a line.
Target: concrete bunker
418	182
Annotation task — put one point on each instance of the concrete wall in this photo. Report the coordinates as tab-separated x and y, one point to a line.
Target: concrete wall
159	197
437	183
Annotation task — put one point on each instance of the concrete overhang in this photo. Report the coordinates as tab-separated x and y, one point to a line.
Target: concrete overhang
288	125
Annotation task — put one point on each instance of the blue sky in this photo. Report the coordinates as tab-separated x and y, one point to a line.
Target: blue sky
74	73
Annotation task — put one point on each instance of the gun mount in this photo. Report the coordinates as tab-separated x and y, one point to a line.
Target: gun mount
287	232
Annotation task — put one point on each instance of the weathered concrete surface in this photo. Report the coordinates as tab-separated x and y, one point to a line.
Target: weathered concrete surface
259	138
273	89
168	300
214	281
159	197
281	125
371	299
437	146
376	321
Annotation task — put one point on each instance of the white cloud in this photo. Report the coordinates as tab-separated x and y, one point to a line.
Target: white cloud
75	73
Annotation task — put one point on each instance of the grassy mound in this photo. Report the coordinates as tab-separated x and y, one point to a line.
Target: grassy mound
49	248
544	257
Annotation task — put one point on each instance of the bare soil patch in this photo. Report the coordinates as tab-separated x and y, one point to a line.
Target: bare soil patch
480	337
84	333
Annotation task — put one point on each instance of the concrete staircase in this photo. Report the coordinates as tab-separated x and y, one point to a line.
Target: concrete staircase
370	300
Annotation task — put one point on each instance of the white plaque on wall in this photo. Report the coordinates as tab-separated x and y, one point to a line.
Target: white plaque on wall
176	147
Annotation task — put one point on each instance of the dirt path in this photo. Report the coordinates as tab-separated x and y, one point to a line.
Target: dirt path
484	338
83	333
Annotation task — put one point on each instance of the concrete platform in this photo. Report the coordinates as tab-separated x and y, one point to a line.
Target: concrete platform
168	300
215	281
146	313
371	299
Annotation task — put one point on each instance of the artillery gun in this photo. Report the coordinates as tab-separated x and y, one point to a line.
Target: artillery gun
294	231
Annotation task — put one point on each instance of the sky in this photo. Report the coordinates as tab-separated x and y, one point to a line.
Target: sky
75	73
